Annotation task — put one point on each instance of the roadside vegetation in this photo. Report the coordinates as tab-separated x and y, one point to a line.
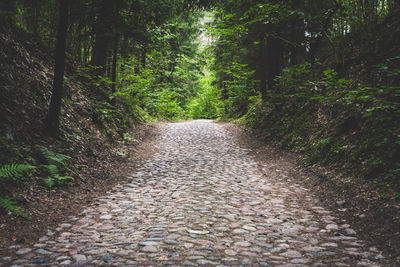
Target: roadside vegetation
320	78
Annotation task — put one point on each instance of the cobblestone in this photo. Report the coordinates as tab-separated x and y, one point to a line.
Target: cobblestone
202	200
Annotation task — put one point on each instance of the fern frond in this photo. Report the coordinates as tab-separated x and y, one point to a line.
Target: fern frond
64	179
56	158
60	158
14	171
53	170
50	182
10	206
57	179
56	161
52	156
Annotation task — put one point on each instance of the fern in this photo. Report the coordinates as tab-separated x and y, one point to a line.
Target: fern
53	170
64	179
53	157
55	177
10	206
56	158
58	179
56	161
50	182
14	171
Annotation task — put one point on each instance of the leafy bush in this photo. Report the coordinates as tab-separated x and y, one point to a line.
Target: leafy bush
238	87
160	91
207	103
164	105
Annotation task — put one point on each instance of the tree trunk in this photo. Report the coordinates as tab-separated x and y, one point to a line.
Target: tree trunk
103	36
79	43
85	46
263	69
7	13
274	59
109	63
32	16
114	71
297	35
144	51
52	121
137	66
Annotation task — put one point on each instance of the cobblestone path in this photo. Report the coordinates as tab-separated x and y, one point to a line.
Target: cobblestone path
201	201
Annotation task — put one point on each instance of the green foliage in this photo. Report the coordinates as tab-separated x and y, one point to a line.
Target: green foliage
120	154
11	207
343	112
127	138
163	86
55	178
165	105
112	114
254	111
14	171
56	164
238	87
319	113
324	143
57	158
269	13
207	104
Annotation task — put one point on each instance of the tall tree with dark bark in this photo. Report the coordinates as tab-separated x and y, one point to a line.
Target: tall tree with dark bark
52	121
103	28
114	70
7	12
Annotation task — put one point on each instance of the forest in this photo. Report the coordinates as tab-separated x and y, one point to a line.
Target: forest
320	79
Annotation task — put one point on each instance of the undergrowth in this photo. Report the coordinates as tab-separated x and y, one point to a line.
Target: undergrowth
353	128
56	162
12	173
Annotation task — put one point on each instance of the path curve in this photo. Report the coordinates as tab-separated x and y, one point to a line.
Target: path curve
202	200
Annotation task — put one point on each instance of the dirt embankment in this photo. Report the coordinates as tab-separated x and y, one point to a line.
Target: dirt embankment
102	150
102	171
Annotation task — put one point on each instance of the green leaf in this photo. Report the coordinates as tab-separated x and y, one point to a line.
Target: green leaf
14	171
53	170
50	182
10	206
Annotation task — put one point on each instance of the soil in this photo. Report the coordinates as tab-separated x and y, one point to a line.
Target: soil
353	199
47	208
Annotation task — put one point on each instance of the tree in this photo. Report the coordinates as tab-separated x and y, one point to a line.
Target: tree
7	12
106	11
52	121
